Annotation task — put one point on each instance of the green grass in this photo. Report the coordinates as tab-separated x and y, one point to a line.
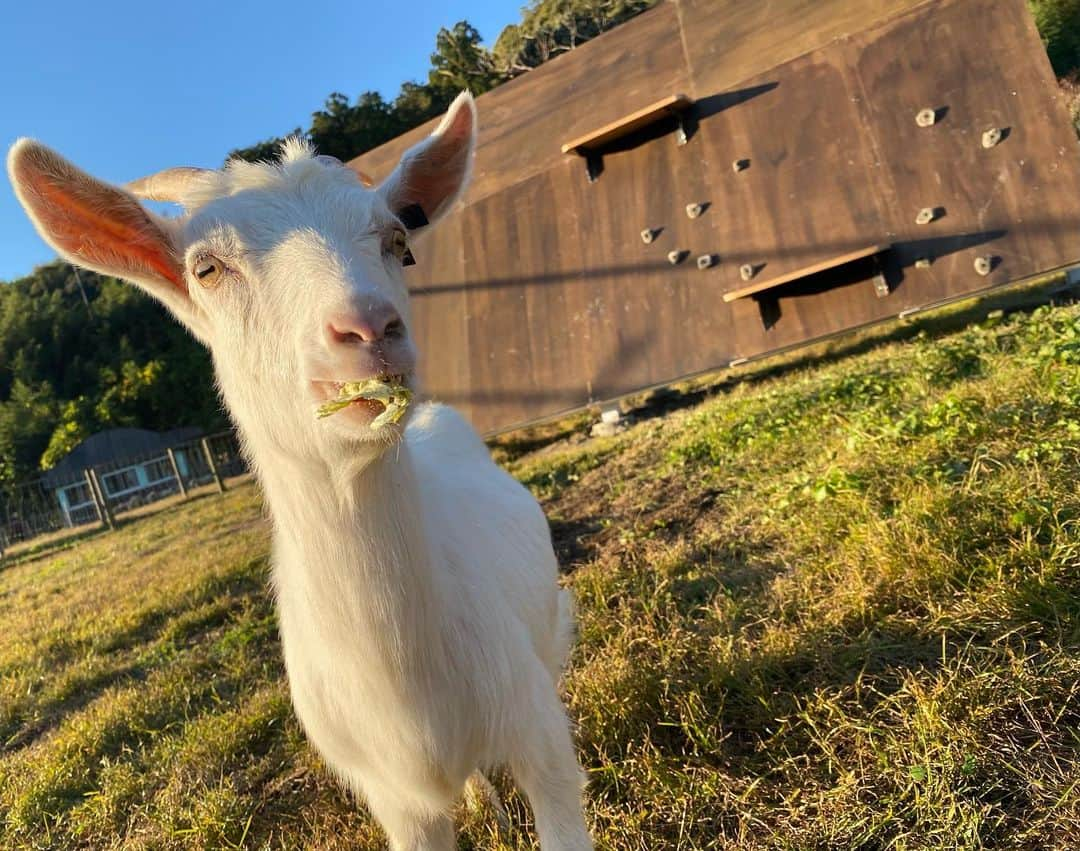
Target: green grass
834	608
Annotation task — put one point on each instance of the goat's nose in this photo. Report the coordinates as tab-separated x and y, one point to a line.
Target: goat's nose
364	326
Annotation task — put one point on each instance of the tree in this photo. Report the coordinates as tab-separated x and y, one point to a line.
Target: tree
345	131
1059	25
128	398
75	424
460	62
551	27
548	28
419	102
72	368
27	418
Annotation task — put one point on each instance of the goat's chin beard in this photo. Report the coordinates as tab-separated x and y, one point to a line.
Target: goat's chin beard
347	453
353	438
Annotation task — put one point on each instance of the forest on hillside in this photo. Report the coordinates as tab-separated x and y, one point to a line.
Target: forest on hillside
80	352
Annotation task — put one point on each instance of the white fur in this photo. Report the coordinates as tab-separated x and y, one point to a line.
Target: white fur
421	619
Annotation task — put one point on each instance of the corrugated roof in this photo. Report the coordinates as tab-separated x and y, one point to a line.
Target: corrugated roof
111	446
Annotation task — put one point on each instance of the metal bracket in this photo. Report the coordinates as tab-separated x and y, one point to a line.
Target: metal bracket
881	284
680	130
594	166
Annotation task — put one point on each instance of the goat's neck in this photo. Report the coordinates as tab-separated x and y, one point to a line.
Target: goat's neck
351	543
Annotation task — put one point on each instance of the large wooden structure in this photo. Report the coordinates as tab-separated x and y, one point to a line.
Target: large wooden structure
842	163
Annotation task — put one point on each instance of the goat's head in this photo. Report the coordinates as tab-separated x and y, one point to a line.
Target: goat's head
291	273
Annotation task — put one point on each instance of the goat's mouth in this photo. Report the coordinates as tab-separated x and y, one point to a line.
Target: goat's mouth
376	402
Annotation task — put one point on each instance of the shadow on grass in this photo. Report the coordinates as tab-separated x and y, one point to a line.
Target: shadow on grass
575	541
677	695
48	715
159	631
714	676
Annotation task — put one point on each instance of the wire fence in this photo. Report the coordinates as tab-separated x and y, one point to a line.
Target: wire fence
45	505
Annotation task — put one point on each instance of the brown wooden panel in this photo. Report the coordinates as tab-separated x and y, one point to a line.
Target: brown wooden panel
658	320
805	196
524	122
632	66
439	312
729	41
809	308
1016	201
569	305
526	354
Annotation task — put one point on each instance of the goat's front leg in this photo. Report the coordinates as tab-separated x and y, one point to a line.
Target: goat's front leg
545	767
407	828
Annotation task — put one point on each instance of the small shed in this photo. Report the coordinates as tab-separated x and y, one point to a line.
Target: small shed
132	464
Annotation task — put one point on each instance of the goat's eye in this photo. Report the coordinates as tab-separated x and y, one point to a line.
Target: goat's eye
208	271
399	244
399	247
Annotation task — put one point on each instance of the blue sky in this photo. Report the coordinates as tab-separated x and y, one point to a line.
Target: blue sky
126	88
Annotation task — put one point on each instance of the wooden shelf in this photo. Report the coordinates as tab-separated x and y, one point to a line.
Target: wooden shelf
671	105
754	287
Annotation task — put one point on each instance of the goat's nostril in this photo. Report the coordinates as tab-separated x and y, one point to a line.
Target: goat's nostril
367	327
340	333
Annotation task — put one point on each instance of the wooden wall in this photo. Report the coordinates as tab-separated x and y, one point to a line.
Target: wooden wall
537	295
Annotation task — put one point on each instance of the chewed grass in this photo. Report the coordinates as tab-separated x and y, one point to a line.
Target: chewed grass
837	608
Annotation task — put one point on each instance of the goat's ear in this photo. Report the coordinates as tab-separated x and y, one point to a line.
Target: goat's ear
101	227
432	175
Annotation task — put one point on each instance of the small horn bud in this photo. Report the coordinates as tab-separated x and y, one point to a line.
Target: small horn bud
167	185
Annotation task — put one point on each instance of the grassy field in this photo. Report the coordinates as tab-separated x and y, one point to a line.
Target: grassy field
835	608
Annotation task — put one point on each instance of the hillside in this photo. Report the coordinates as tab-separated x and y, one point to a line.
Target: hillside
82	353
837	607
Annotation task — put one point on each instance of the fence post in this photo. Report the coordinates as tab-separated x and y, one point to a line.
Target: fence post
176	473
100	503
93	495
213	466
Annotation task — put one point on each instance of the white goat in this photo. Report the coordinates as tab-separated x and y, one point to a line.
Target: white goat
422	624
